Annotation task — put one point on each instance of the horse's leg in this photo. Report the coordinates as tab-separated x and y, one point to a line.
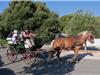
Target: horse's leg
50	56
75	58
58	55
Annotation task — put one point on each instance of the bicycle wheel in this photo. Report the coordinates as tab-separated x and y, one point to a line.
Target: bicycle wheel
11	54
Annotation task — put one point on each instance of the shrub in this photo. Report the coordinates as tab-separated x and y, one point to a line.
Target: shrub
3	42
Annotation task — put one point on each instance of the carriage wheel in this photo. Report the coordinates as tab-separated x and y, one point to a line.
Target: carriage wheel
34	57
11	54
29	57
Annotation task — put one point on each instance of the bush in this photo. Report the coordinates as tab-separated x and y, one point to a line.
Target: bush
3	42
39	41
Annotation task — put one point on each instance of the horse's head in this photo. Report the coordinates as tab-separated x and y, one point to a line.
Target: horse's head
88	36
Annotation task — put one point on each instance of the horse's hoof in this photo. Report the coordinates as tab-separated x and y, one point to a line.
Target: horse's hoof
71	61
59	60
74	62
77	61
62	62
49	61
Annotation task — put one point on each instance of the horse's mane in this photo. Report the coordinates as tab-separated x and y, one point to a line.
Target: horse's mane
79	34
82	33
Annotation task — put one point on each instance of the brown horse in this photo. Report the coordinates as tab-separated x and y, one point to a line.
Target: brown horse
70	43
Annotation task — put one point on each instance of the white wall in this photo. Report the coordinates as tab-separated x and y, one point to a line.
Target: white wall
96	43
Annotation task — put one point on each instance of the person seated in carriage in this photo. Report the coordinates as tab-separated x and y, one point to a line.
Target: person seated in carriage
12	38
28	37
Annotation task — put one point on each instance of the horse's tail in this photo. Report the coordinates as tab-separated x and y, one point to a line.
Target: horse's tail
52	43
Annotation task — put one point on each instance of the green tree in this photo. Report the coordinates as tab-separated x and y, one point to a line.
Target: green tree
34	15
77	22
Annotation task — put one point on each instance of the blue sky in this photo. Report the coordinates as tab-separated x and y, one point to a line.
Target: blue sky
65	7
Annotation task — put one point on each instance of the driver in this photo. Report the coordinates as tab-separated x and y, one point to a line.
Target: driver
27	37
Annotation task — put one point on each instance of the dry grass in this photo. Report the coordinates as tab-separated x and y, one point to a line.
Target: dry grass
85	51
89	51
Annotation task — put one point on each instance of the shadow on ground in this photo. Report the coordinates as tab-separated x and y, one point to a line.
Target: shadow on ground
55	68
1	62
6	71
80	56
91	48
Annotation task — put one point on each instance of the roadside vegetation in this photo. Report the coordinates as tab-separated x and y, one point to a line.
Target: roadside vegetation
39	18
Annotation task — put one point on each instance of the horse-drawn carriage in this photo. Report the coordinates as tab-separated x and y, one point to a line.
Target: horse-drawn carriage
23	51
68	43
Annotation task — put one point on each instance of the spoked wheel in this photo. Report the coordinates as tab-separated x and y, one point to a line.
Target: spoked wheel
29	57
34	57
11	54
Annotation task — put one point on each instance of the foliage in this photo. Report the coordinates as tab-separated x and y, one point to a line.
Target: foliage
2	42
34	15
79	21
38	18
